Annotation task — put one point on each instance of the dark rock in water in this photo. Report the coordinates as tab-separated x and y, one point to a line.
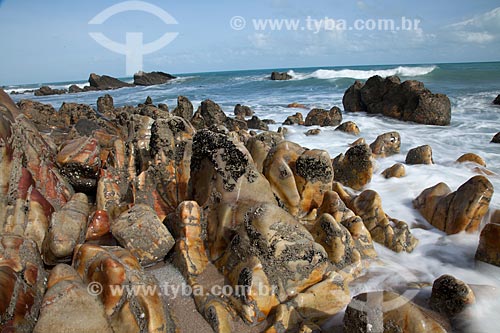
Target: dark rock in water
149	101
314	131
105	104
277	76
296	119
256	123
397	171
450	296
46	91
496	138
268	121
408	101
90	88
184	108
420	155
74	89
497	100
153	78
105	82
348	127
296	105
322	117
242	111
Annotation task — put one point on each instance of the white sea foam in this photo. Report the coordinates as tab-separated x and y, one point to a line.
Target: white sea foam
330	74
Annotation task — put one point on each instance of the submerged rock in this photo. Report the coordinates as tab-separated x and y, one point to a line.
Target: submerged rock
384	311
420	155
397	171
349	127
47	91
453	212
314	131
471	157
280	76
408	101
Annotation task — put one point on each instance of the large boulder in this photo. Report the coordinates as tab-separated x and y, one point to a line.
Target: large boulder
420	155
277	76
105	82
322	117
489	246
149	79
408	101
450	296
296	119
453	212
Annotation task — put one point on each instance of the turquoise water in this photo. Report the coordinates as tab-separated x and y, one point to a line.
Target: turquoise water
471	88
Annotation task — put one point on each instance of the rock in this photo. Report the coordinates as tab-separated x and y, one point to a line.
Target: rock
296	119
22	278
386	144
489	246
260	145
67	229
407	101
79	161
298	177
256	123
74	89
349	127
210	113
458	211
140	230
43	116
105	105
322	117
69	307
280	76
70	113
450	296
163	107
496	138
360	141
106	82
296	105
149	101
149	79
355	168
397	171
99	225
46	91
314	131
184	108
420	155
471	157
384	311
242	111
138	309
497	100
391	233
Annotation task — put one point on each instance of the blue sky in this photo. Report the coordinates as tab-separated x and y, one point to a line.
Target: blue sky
48	41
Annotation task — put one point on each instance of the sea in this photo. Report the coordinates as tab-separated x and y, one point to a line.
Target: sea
471	88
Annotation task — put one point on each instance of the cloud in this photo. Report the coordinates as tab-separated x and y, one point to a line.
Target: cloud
481	29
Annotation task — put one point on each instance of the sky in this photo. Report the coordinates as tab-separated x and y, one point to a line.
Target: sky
49	41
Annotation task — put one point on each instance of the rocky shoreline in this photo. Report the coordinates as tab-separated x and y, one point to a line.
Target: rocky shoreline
102	198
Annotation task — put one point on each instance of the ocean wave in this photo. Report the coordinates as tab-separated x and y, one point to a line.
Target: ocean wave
330	74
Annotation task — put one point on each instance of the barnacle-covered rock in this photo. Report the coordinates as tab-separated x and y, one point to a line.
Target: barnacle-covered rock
22	278
69	307
355	168
138	308
453	212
